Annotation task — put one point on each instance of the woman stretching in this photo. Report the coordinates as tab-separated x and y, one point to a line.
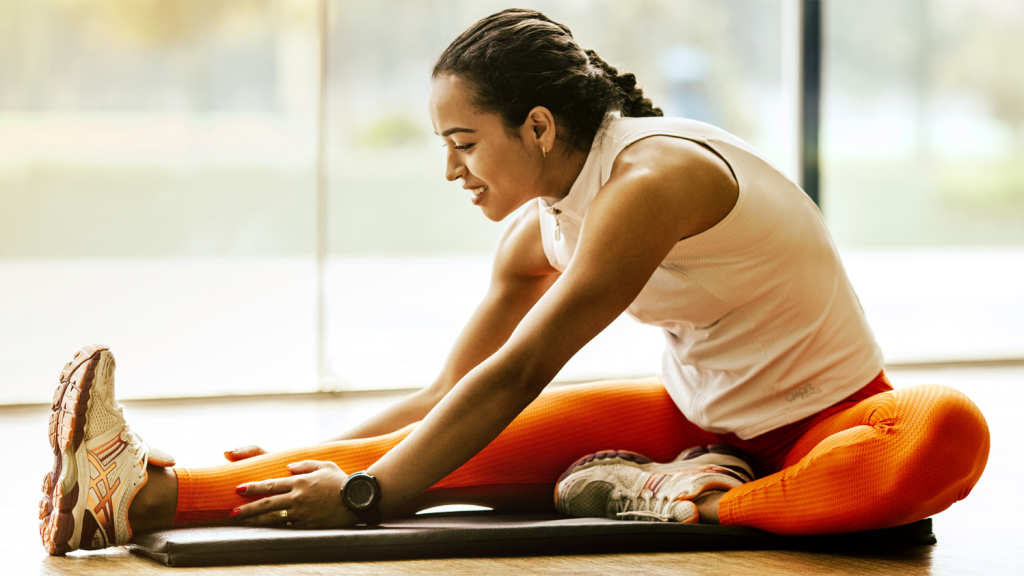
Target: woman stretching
770	369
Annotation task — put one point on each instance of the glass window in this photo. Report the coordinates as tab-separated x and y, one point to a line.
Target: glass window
158	189
409	254
923	171
156	193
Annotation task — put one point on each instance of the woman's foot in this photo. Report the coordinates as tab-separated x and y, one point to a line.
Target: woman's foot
624	485
99	464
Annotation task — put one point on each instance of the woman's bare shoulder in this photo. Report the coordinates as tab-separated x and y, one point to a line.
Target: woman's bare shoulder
683	176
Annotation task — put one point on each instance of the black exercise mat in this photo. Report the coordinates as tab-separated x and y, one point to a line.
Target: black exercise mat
476	534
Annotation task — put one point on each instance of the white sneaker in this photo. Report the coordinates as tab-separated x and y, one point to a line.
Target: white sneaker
99	464
624	485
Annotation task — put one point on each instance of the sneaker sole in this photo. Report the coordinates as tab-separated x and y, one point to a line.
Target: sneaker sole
59	505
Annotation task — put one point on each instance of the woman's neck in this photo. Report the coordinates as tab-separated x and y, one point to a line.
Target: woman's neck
565	170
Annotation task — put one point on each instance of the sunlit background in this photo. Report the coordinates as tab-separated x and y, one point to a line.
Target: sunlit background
158	179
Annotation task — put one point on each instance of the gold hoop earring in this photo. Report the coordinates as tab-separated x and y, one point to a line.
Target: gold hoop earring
544	152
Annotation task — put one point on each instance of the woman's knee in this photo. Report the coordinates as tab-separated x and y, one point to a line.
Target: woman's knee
943	440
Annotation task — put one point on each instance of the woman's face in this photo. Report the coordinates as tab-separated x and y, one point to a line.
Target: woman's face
499	170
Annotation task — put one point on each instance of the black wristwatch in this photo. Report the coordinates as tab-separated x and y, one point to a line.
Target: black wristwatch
361	495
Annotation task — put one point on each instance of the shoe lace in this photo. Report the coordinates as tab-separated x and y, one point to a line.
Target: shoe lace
643	506
644	514
136	445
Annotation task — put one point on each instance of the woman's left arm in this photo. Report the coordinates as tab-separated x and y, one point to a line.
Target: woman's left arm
660	190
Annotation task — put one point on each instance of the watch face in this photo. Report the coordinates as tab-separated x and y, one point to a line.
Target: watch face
360	492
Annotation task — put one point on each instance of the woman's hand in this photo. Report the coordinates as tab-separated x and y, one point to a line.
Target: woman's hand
311	498
244	452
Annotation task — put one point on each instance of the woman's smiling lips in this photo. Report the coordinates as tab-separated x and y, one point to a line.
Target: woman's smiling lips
477	191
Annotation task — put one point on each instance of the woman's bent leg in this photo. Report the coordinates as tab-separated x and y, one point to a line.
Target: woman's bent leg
517	470
892	459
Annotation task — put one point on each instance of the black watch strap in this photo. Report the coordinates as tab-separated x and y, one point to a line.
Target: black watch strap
372	517
361	495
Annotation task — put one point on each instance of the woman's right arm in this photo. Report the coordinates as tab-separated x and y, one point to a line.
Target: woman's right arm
521	275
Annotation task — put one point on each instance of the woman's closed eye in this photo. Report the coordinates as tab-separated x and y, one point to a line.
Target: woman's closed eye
463	147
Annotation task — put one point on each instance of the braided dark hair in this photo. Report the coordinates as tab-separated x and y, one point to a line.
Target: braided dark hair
517	59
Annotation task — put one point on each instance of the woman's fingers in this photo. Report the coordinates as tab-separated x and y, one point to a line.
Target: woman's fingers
270	511
264	487
244	452
311	498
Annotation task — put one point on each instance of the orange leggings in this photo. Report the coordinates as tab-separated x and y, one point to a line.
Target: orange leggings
879	458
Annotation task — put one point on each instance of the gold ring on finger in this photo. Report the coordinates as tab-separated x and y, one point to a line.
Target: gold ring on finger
284	513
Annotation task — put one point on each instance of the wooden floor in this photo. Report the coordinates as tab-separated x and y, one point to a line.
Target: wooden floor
976	536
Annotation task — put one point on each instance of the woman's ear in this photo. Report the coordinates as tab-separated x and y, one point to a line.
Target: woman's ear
540	129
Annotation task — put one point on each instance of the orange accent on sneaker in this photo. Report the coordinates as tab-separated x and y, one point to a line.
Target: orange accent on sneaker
102	492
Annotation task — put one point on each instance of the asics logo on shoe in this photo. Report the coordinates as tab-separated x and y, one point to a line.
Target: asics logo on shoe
104	483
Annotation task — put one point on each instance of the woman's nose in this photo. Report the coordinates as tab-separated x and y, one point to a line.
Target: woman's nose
454	169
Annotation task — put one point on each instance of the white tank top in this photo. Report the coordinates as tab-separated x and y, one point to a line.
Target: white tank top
762	325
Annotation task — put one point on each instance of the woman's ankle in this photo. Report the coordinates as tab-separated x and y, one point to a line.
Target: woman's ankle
154	506
707	507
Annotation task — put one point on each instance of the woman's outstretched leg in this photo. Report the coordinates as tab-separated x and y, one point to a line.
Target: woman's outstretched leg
892	459
105	480
517	470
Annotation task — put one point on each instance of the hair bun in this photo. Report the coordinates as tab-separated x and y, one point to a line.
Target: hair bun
633	102
626	82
